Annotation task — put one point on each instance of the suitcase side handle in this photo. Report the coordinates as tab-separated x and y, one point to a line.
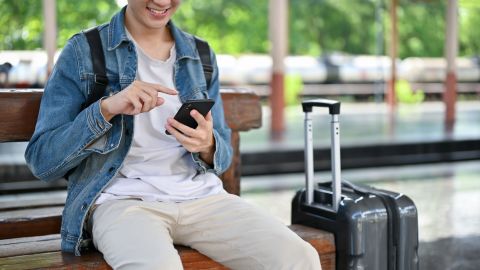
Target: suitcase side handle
334	110
332	105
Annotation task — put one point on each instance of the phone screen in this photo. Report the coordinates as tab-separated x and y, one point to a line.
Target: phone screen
183	116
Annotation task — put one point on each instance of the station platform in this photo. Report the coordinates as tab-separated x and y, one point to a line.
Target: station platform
370	136
447	194
369	123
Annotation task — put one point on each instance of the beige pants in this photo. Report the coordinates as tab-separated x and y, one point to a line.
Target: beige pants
134	234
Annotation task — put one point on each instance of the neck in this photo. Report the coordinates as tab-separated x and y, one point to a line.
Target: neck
155	42
142	34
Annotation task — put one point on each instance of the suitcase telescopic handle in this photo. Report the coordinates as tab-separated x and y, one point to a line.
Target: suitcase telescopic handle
334	110
332	105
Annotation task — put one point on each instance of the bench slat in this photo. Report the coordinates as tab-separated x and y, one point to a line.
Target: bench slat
18	122
242	109
30	222
191	260
29	245
32	200
37	252
54	260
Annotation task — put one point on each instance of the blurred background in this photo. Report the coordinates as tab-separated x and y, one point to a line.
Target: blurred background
407	73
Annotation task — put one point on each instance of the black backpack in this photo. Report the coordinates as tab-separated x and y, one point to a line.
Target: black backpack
99	67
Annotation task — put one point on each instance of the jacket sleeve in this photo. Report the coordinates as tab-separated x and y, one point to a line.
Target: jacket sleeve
221	132
65	132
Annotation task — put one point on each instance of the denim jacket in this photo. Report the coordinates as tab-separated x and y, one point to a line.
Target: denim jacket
79	141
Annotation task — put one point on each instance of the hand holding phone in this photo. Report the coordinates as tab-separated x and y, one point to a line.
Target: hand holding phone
183	116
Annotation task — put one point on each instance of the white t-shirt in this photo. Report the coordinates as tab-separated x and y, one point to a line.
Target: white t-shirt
158	167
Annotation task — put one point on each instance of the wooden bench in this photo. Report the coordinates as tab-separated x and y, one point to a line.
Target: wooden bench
29	231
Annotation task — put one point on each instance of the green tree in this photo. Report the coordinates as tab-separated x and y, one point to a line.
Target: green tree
241	26
22	21
421	28
469	21
318	26
233	27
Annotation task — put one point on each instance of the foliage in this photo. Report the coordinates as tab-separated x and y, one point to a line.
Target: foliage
422	29
469	35
82	15
405	93
293	88
321	26
22	21
232	27
241	26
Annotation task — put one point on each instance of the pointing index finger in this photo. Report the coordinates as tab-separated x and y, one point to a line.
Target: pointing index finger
161	88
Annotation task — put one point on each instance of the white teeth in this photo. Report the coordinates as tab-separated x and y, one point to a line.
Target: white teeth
158	12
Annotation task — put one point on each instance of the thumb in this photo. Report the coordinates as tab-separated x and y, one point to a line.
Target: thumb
208	117
160	101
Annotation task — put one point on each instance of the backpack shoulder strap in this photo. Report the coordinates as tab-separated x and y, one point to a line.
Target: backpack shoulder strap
99	67
98	63
204	52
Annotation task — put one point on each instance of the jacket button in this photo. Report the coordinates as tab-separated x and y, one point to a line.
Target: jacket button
111	169
130	47
84	206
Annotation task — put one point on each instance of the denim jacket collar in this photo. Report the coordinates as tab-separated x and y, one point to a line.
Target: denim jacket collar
185	48
116	31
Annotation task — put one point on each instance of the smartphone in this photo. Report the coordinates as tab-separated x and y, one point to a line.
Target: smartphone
183	116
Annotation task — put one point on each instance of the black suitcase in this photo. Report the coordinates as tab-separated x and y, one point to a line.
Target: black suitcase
374	229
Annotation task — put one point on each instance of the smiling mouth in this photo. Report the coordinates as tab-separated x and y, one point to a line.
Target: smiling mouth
157	12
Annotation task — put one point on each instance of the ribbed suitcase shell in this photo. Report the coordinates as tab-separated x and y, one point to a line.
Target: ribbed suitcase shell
374	229
403	234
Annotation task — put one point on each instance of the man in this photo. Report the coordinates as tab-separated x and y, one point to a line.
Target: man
132	189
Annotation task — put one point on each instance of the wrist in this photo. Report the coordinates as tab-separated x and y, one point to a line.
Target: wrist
105	111
207	154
